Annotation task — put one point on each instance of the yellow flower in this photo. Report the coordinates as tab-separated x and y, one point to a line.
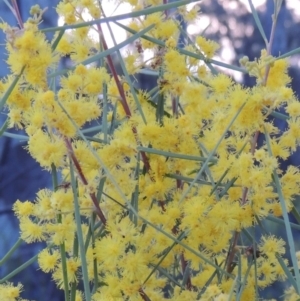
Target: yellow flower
31	231
192	14
106	292
94	11
62	201
46	150
293	109
109	250
68	11
62	232
221	83
131	62
208	47
23	209
268	276
183	295
42	208
97	75
171	42
278	76
73	82
290	294
73	265
9	292
48	261
64	46
16	118
270	245
212	291
166	29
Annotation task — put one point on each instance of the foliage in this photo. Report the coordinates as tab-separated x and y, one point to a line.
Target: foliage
161	203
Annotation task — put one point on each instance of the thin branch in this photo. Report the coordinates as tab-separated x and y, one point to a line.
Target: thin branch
84	180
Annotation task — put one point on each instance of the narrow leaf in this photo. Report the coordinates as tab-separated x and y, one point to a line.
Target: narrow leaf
257	22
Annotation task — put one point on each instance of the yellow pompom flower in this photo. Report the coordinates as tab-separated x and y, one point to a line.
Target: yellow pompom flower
278	75
46	150
270	246
293	109
48	261
73	265
9	292
208	47
290	294
23	209
64	46
31	231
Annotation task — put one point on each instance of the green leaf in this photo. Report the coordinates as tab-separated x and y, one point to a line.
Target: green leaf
19	269
279	115
58	38
134	204
185	52
84	270
187	179
173	155
127	77
212	154
180	237
281	221
11	251
15	136
244	282
187	247
296	214
160	112
103	54
287	271
287	224
208	282
258	23
10	89
4	127
166	274
288	54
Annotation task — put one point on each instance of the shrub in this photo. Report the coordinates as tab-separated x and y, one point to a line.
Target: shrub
161	202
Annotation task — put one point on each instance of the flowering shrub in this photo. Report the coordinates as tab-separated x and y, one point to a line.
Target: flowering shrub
158	204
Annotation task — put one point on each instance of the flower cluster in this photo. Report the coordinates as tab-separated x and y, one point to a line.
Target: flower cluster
173	175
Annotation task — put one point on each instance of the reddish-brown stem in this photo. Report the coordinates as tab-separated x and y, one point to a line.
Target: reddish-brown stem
166	11
254	141
232	252
84	180
121	92
124	103
114	74
179	183
143	295
184	266
144	157
162	205
174	107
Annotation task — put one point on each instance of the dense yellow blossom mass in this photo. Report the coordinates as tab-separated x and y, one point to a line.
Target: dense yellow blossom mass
171	176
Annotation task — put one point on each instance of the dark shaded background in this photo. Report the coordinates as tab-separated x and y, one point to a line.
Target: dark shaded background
20	176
